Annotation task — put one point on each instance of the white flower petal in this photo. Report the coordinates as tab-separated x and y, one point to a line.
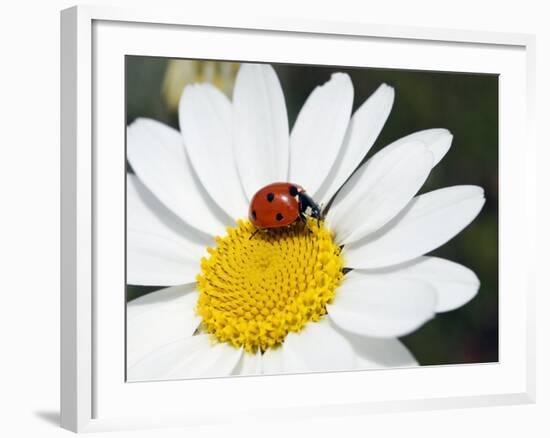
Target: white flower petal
212	360
386	308
319	131
146	214
249	365
205	116
380	353
378	191
272	361
157	364
158	261
260	130
186	358
429	221
159	318
455	284
437	140
317	347
364	127
157	155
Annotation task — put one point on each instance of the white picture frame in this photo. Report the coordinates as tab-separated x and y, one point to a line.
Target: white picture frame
94	397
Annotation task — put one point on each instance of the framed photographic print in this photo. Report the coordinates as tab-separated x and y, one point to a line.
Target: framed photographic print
291	217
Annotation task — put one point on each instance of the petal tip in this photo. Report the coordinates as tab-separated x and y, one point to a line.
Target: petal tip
340	76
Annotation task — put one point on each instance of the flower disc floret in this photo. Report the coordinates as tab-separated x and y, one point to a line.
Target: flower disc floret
254	291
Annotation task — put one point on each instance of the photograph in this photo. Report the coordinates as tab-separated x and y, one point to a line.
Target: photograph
296	218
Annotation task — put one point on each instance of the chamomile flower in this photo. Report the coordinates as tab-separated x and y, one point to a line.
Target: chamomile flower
320	296
179	73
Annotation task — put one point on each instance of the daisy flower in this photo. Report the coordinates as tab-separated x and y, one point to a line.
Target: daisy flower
180	73
327	296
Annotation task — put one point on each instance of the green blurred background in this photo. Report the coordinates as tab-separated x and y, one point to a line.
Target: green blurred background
464	103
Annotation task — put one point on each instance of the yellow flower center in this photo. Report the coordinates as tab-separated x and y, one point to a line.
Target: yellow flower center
254	291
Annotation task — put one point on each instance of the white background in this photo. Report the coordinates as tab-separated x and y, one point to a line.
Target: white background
29	218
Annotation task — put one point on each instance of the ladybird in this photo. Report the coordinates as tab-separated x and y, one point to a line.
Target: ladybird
281	204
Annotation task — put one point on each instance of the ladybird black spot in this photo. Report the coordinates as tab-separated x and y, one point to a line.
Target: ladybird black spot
279	217
293	191
254	214
270	197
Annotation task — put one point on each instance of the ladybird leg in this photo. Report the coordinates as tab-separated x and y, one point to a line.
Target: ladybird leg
253	234
316	213
306	202
303	205
304	221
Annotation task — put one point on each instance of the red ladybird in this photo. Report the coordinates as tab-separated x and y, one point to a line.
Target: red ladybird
281	204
